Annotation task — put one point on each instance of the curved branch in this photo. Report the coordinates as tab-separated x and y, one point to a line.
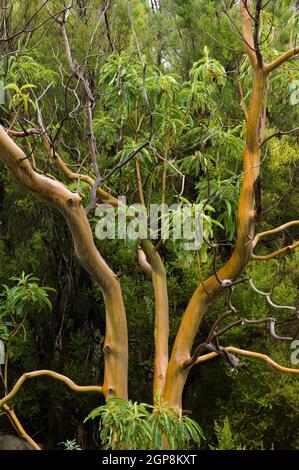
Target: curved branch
76	176
275	253
25	133
267	295
242	321
21	431
280	133
143	263
54	375
244	352
70	206
281	60
261	235
104	195
148	259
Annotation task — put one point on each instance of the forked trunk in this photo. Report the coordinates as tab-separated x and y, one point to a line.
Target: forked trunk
207	292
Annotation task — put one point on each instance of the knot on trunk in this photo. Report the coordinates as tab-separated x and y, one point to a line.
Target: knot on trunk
107	349
75	200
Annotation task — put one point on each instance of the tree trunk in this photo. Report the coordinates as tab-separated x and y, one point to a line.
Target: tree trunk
70	206
207	292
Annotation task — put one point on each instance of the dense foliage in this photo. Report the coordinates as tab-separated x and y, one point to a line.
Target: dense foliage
127	425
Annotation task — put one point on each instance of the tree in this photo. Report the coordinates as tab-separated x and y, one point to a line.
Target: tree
155	124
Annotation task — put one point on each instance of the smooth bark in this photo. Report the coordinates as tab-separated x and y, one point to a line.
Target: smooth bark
70	206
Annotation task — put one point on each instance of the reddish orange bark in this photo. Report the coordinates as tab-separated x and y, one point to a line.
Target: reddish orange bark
70	206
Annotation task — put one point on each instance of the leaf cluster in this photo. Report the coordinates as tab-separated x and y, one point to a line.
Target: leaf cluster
130	425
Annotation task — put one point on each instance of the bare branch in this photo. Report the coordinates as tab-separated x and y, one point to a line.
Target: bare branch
268	297
54	375
244	352
108	31
78	176
261	235
214	333
100	180
25	133
26	30
280	251
123	163
275	253
90	100
282	59
280	133
18	426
